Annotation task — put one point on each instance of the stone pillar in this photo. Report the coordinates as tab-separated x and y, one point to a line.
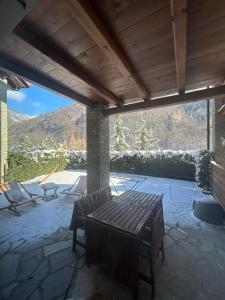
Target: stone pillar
97	149
218	131
3	129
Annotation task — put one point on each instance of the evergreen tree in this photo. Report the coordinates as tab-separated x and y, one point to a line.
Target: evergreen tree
119	135
144	140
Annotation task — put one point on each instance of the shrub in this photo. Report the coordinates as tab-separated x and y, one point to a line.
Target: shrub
203	168
186	165
170	164
76	159
24	166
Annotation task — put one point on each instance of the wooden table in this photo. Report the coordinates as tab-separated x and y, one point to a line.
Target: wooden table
113	235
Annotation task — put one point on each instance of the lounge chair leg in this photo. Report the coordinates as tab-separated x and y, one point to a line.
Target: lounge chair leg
74	239
35	203
15	211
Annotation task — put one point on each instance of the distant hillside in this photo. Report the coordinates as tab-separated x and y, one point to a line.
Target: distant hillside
63	126
176	127
15	118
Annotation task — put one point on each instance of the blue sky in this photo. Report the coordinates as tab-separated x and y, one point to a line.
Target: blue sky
35	101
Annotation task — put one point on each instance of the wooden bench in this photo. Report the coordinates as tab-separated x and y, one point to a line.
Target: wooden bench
218	183
83	207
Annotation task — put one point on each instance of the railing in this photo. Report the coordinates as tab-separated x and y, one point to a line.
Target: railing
218	183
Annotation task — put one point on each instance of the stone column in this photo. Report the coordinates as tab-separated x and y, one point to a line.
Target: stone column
218	131
97	149
3	129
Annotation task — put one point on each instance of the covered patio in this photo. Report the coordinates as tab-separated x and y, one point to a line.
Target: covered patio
116	57
36	250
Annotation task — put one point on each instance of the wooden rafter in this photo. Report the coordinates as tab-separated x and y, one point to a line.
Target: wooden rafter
90	21
208	93
179	23
58	55
14	66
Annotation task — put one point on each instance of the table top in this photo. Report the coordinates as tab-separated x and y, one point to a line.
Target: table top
139	198
125	216
49	186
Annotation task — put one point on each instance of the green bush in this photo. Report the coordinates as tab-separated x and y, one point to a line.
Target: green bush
24	166
186	165
77	160
203	168
169	164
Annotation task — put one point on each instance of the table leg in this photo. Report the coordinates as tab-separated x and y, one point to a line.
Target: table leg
44	196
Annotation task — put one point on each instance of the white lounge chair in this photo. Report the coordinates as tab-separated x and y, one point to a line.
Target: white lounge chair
17	195
79	188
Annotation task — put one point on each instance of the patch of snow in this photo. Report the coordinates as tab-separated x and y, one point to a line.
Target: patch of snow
47	217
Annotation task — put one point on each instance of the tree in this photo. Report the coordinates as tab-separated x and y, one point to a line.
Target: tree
144	139
119	135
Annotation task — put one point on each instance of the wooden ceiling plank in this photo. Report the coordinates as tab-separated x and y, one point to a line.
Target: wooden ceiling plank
15	66
88	18
55	53
198	95
12	13
179	23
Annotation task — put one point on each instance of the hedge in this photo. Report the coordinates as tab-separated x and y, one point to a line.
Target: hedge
186	165
24	166
169	164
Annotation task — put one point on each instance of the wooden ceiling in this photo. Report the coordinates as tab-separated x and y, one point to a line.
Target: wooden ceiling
126	54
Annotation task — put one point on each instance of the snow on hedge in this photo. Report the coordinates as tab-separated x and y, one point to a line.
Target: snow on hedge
189	165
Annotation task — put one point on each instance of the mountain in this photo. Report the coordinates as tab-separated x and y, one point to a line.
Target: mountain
175	127
64	125
15	118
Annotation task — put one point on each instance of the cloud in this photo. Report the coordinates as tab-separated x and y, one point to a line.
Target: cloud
17	96
37	103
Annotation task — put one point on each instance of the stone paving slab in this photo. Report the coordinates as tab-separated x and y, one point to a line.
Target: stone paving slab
41	270
37	262
194	269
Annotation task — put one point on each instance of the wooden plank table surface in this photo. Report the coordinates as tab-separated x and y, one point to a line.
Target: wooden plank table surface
113	234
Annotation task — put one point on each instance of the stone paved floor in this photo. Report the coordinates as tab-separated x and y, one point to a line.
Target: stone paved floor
39	264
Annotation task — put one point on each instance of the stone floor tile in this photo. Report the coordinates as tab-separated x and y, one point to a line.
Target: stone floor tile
26	288
8	268
56	247
4	248
7	291
62	258
178	234
27	267
57	283
36	295
207	246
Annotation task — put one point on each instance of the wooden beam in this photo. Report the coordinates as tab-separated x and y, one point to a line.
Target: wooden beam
58	55
208	93
12	13
179	24
14	66
86	15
